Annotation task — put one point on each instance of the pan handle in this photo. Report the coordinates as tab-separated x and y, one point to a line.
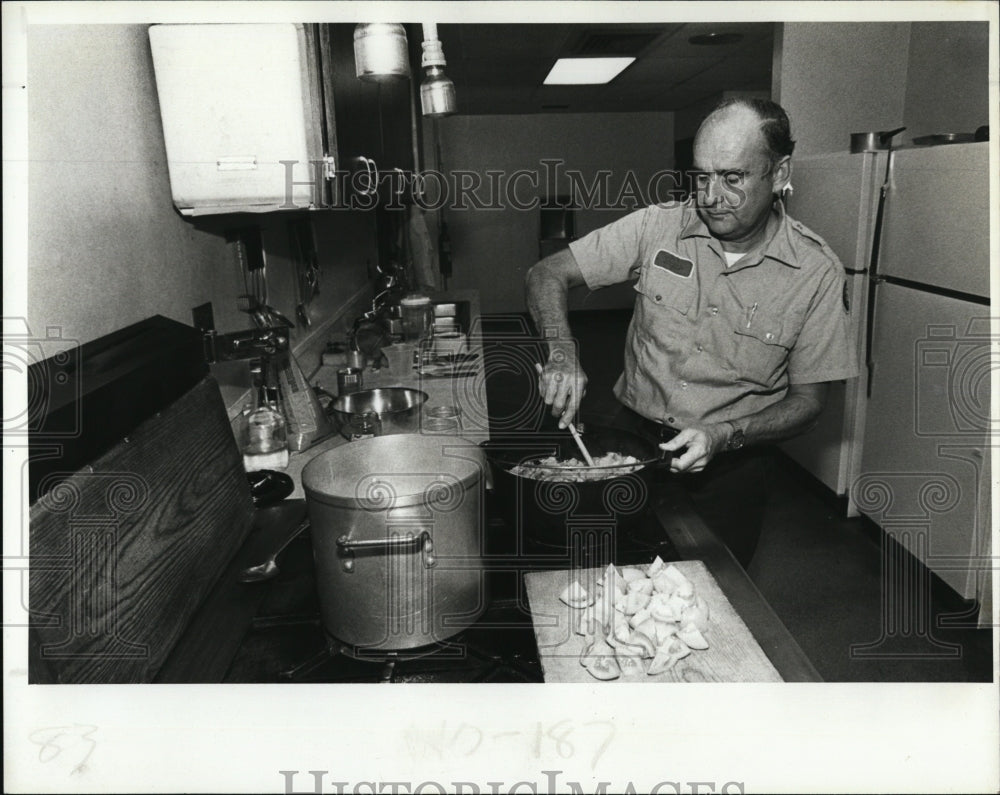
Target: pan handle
347	546
665	457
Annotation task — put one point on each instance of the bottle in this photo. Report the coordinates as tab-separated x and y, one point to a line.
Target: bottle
266	442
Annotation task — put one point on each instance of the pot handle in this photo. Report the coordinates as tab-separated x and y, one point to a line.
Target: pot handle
347	546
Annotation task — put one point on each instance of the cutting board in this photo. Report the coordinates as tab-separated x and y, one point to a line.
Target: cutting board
732	656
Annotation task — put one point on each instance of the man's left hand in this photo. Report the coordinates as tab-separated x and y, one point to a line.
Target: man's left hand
703	443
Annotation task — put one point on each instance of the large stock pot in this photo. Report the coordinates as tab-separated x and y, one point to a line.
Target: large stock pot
397	539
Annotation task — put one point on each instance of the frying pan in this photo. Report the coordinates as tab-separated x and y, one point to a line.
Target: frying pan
544	511
514	451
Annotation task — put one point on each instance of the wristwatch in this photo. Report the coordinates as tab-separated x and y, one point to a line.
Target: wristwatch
736	439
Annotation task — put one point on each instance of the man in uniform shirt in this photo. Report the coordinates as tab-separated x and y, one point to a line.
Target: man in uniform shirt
739	323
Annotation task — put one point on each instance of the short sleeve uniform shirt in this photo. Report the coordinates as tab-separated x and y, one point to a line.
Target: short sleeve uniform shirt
708	342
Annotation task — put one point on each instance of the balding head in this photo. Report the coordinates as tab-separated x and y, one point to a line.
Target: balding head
739	172
768	117
735	131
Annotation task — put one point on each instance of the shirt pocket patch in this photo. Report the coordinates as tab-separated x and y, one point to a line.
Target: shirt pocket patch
762	349
672	263
664	290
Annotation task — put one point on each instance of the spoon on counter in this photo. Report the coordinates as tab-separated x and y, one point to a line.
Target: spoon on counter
269	568
574	432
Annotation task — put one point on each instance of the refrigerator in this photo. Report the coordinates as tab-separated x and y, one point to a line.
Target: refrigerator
836	196
914	430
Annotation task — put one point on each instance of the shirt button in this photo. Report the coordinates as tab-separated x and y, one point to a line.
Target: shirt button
684	384
670	420
714	310
659	297
769	336
699	348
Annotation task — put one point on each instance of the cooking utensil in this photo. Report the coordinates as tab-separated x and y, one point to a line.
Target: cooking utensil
384	512
447	371
873	141
399	357
398	408
540	508
275	318
268	487
939	139
579	443
269	567
572	429
456	358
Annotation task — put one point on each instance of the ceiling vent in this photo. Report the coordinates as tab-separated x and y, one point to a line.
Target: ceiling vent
611	42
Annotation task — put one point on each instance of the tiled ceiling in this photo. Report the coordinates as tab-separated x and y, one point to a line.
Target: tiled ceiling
499	68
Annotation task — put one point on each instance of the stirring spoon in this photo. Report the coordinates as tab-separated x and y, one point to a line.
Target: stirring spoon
575	433
269	568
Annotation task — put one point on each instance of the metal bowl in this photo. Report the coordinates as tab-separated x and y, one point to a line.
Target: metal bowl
398	408
939	139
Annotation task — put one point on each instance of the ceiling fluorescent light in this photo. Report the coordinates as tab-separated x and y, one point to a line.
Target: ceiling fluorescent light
585	71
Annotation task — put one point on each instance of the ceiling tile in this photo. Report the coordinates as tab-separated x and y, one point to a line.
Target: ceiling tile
500	68
666	71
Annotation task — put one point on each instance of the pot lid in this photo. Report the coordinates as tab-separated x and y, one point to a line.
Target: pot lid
395	471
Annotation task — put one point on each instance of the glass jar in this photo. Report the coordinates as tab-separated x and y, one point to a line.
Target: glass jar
264	435
417	316
265	430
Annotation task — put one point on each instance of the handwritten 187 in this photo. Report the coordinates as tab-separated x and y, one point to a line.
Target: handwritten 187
564	738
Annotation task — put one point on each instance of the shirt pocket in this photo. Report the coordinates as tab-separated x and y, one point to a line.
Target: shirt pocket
665	292
762	348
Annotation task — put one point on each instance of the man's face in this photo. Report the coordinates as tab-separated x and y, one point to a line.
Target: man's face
735	189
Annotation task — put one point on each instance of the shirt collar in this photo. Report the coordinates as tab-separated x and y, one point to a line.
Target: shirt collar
778	246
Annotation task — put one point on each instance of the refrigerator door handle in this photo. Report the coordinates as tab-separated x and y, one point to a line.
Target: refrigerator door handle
870	333
873	276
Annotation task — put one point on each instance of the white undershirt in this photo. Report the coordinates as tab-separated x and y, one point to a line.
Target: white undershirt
732	257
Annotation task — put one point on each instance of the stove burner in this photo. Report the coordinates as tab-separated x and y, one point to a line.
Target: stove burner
458	655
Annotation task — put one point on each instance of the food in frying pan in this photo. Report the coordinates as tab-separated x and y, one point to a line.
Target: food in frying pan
638	619
573	470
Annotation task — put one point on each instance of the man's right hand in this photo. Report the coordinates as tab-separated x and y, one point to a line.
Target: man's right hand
562	385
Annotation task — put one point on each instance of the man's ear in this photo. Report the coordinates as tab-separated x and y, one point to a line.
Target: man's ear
781	174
